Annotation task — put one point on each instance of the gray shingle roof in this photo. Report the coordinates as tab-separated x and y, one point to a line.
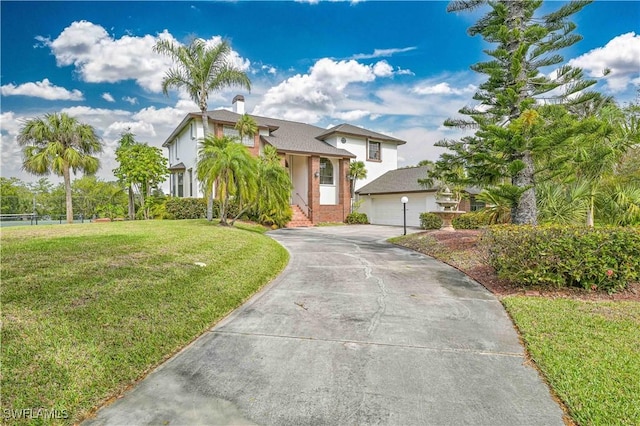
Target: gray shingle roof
350	129
405	180
287	136
300	138
396	181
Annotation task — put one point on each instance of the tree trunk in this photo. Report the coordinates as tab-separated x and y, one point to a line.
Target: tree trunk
590	211
526	210
224	205
205	129
67	190
132	204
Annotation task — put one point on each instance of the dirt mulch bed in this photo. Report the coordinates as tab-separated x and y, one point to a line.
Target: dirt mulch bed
460	249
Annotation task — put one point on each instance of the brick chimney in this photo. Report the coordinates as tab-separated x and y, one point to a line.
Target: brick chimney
238	104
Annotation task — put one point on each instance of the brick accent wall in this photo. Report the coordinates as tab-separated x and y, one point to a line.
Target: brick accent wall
465	205
338	212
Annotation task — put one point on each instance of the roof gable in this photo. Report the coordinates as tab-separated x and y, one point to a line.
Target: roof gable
397	181
349	129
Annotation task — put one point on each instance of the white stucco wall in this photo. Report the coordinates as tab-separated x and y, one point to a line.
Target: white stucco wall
358	147
387	209
185	150
329	193
298	169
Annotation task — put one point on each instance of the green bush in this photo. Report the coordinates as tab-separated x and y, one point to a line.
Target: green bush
187	208
601	258
473	220
430	221
357	218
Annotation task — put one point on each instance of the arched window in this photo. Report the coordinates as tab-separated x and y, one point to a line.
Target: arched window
326	172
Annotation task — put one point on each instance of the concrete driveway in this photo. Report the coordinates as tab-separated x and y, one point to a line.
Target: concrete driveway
354	331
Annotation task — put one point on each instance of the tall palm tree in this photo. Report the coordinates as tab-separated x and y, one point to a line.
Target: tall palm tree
357	171
228	162
127	140
200	69
58	143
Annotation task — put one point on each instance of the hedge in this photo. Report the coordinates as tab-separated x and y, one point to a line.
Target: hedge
186	208
592	258
357	218
430	221
473	220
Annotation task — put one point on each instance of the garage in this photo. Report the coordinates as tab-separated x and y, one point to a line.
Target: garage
381	199
387	209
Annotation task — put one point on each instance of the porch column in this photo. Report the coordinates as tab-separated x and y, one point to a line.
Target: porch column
344	188
314	188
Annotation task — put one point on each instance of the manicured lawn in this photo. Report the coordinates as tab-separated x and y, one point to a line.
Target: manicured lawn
88	309
589	351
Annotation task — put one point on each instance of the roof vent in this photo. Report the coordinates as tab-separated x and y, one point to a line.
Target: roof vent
238	104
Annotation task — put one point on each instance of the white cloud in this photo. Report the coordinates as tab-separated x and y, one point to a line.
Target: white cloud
442	89
11	152
107	97
131	100
621	55
139	128
42	89
352	115
167	116
382	69
312	96
98	57
383	53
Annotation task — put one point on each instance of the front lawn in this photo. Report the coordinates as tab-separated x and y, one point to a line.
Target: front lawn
586	344
88	309
589	351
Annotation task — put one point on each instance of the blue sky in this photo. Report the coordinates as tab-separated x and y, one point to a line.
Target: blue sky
397	67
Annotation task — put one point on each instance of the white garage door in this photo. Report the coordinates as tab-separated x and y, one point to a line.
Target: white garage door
388	210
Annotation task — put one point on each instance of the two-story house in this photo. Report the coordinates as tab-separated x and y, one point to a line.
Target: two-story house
317	159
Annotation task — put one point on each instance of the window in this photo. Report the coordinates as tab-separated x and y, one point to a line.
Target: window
374	151
476	205
180	184
233	132
190	182
193	130
326	172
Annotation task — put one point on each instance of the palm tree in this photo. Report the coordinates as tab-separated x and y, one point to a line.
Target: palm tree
356	171
201	69
275	189
58	143
127	140
246	126
229	163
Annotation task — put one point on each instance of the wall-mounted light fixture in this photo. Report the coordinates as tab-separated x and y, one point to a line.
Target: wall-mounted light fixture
316	174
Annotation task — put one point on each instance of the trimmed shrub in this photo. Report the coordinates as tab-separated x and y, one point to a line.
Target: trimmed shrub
430	221
473	220
357	218
601	258
187	208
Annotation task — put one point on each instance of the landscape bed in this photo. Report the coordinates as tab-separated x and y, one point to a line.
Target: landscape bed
89	309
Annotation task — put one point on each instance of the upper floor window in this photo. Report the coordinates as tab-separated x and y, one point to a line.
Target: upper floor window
233	132
374	151
326	172
193	130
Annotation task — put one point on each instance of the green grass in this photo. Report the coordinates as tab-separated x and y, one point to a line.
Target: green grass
88	309
588	351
